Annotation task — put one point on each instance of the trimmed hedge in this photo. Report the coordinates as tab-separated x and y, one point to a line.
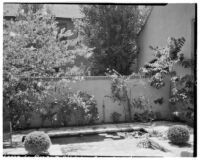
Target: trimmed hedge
37	143
178	134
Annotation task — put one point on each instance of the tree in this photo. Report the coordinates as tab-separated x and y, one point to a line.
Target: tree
182	87
34	7
31	45
112	30
31	48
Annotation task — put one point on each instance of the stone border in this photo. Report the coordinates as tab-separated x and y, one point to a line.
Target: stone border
80	77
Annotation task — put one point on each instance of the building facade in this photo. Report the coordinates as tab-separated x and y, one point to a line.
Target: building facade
171	20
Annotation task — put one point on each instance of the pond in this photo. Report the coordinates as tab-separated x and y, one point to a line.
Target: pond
116	144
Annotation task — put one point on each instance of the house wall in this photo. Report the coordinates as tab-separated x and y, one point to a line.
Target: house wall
172	20
100	87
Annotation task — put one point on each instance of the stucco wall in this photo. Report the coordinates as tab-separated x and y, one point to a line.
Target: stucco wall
172	20
102	87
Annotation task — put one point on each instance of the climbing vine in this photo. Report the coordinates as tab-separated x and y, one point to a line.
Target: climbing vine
119	93
118	86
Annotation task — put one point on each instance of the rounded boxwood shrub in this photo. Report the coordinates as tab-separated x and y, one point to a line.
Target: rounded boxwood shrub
178	134
37	143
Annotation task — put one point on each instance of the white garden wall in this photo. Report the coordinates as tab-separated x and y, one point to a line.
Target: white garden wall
100	87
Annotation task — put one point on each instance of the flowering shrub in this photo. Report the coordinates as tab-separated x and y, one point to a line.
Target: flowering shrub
37	143
178	134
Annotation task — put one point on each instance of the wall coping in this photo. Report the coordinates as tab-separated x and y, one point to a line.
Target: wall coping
79	77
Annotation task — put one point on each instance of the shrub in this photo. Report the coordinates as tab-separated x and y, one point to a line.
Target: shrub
79	106
32	47
178	134
60	106
19	97
183	97
37	143
143	104
115	117
51	101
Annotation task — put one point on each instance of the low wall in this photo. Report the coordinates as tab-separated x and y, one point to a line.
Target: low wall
100	87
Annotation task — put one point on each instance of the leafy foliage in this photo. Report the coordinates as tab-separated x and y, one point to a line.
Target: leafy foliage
60	106
183	94
52	99
118	86
178	134
116	117
119	92
34	7
183	87
37	143
31	47
112	31
159	100
82	106
19	97
143	104
165	58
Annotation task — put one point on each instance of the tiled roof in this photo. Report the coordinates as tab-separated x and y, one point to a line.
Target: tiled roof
59	10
